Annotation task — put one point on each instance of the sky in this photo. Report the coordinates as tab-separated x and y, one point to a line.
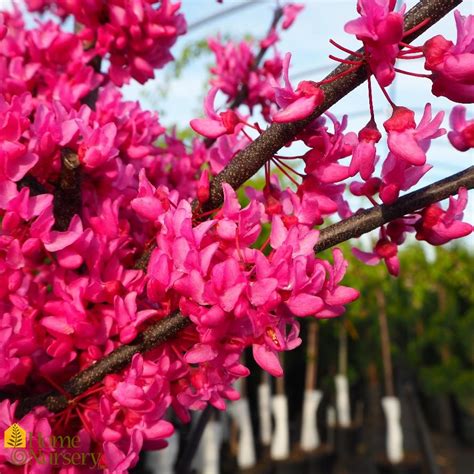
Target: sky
308	41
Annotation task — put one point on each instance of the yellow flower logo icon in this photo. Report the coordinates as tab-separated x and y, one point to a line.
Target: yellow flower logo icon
14	437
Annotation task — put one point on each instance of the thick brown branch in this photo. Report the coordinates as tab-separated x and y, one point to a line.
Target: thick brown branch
370	219
35	187
246	163
151	337
67	194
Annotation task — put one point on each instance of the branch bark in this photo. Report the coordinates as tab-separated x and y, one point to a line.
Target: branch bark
67	194
164	330
150	338
370	219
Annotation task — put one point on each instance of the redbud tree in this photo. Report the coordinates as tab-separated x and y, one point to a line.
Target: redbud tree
131	277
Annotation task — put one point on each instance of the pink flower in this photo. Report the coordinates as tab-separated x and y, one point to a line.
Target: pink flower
334	295
216	124
290	12
3	28
296	104
437	226
384	250
398	175
408	141
381	30
97	145
462	134
38	424
322	161
453	74
363	156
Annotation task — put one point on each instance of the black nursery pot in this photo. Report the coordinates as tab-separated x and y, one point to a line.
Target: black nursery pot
288	466
347	439
260	468
320	461
410	465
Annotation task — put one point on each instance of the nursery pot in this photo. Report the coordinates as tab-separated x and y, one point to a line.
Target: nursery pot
321	460
411	464
289	466
347	439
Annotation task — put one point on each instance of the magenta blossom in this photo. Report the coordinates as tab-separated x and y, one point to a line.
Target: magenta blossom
296	104
408	141
453	74
462	134
381	30
384	250
290	12
216	124
364	154
437	226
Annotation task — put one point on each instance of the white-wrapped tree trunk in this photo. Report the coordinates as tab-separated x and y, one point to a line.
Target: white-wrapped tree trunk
210	448
162	461
309	429
246	449
280	447
343	407
394	440
265	410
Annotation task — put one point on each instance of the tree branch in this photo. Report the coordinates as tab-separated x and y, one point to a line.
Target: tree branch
243	93
370	219
153	336
67	194
167	328
246	163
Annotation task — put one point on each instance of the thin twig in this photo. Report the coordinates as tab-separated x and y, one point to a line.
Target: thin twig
67	194
150	338
243	92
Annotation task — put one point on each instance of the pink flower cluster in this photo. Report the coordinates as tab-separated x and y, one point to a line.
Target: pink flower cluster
234	293
70	295
238	76
381	30
403	168
135	36
47	61
451	64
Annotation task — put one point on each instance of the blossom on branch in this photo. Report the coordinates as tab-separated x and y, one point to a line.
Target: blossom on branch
380	28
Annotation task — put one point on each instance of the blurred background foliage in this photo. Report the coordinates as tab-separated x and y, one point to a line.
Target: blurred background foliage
430	309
